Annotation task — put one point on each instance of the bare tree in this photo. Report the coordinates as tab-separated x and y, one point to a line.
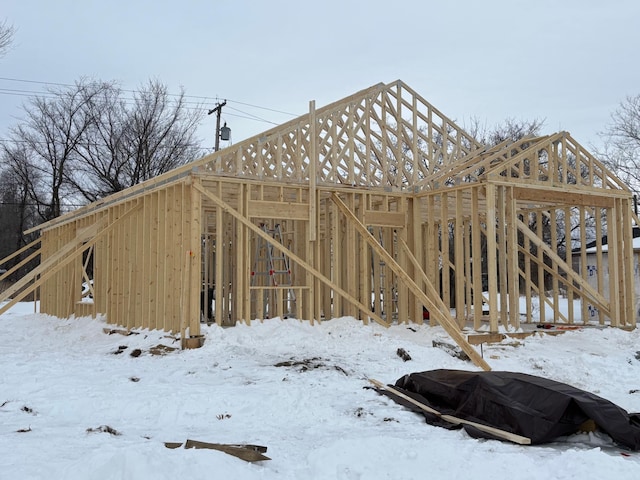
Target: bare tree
6	37
621	152
509	129
84	142
44	145
17	209
127	145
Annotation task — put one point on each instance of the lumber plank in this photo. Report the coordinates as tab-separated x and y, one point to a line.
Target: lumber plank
385	219
503	434
248	453
290	210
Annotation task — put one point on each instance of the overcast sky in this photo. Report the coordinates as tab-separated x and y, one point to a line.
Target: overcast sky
569	62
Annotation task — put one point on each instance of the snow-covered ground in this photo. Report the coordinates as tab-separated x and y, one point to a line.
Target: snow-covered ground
297	389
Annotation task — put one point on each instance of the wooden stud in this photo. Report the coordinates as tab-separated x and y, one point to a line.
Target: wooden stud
492	259
476	254
513	277
627	268
459	259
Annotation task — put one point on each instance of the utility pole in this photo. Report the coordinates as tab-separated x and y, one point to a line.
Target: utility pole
218	111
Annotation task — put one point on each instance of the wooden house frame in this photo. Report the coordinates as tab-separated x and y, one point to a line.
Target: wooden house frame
379	206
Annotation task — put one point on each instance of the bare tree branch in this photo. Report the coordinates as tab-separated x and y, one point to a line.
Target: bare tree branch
50	134
127	145
621	152
6	37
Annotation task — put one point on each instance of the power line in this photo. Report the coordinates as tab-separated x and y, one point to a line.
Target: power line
80	144
251	117
204	98
131	102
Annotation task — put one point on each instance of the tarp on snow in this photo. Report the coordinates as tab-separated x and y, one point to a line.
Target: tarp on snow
527	405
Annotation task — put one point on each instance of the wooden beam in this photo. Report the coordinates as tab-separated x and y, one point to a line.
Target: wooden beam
503	434
480	338
492	257
268	209
385	219
545	194
313	175
476	256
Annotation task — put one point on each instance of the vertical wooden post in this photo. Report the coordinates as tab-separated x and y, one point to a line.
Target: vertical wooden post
364	266
599	260
568	259
468	271
459	261
554	281
314	298
501	226
317	287
350	247
445	269
378	304
629	314
242	274
143	254
313	162
402	289
476	253
540	265
339	259
195	249
179	266
167	253
328	258
220	287
122	279
164	250
432	256
492	267
414	228
583	264
613	238
133	229
512	258
389	277
527	280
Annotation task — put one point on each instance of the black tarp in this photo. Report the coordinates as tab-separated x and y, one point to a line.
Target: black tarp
535	407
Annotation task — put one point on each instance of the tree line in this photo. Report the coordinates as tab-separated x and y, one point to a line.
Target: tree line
81	143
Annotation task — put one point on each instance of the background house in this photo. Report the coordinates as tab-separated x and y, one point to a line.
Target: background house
596	270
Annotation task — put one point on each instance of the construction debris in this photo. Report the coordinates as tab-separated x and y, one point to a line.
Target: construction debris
402	353
104	429
452	350
246	452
